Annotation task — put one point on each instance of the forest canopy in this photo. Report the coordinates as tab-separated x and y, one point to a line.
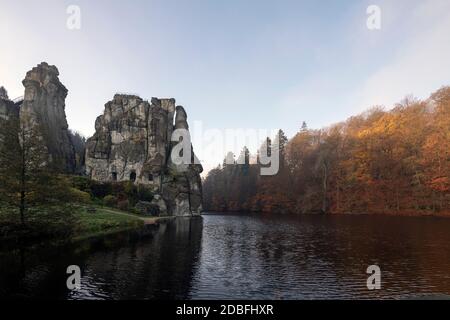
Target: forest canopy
395	162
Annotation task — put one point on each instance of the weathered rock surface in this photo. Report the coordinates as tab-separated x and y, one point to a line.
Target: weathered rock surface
132	142
148	208
3	93
7	107
44	104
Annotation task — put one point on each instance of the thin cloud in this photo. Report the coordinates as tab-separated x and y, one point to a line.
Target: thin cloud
421	64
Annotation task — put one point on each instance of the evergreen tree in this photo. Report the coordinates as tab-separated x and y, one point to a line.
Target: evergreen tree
229	160
304	127
376	162
26	178
282	142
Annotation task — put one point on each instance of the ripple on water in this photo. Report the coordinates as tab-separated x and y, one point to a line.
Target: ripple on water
251	257
254	257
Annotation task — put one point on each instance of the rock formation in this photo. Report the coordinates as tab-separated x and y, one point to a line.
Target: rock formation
3	93
7	107
44	104
132	142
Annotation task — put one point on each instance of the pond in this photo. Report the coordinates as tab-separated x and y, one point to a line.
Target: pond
231	256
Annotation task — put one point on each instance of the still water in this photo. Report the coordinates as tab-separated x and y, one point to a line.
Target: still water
247	257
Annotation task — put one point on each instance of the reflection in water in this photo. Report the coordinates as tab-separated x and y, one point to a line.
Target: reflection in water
307	257
155	268
247	257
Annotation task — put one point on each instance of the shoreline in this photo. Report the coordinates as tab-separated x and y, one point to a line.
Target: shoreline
404	214
138	227
142	230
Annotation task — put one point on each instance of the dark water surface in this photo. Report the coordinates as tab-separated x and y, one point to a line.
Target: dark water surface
248	257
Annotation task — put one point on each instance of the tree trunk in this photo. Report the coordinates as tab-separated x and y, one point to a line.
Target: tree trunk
22	182
397	199
338	204
22	208
324	189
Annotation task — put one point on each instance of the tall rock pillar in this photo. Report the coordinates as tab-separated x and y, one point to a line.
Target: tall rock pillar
44	105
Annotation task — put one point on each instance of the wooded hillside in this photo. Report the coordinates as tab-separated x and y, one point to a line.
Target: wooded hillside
395	162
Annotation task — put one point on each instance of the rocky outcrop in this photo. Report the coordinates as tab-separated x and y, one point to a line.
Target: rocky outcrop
44	105
3	93
7	107
132	142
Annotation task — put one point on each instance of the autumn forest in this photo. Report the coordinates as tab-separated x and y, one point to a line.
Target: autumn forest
387	162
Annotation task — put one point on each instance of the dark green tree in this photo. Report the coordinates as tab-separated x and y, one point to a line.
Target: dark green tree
304	127
26	176
282	142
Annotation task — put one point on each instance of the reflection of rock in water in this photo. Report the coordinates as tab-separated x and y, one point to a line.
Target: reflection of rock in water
157	268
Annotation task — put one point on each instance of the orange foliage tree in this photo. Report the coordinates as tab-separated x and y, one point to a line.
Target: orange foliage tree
395	161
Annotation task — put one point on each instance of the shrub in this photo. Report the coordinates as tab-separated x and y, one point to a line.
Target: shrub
53	222
117	188
81	183
144	193
79	196
123	205
110	201
132	192
121	196
42	223
130	188
100	190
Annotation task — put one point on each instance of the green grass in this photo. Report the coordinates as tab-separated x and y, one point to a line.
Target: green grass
73	224
102	222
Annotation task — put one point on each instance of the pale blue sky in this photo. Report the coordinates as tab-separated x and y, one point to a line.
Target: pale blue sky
247	63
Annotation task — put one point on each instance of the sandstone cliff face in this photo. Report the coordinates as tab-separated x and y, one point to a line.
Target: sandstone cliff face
8	109
3	93
44	104
132	142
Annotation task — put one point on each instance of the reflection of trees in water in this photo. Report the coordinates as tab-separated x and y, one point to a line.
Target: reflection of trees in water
158	268
324	256
412	253
247	256
26	273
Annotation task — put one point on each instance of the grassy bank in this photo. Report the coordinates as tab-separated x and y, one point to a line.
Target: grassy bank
103	221
73	223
